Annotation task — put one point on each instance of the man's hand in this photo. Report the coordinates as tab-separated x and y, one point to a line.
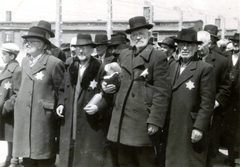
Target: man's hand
108	88
152	129
91	109
59	110
196	135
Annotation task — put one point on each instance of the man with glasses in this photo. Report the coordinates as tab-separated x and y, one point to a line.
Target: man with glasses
220	64
35	123
142	100
193	96
168	46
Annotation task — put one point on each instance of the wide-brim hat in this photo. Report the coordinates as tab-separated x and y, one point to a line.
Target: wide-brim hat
235	38
137	23
84	40
188	35
65	46
101	39
212	29
34	32
168	41
46	26
11	48
117	40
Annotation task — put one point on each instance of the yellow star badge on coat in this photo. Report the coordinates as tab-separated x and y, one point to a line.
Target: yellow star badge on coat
93	84
190	85
39	76
8	85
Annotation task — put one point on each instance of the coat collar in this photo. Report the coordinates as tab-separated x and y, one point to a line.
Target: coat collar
142	57
9	70
210	58
185	75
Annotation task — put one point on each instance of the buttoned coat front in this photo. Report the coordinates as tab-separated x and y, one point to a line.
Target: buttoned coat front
193	96
35	118
143	97
10	79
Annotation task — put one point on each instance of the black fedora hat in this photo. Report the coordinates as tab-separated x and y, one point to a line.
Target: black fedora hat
65	46
235	37
212	29
84	40
37	33
138	22
117	40
101	39
188	35
168	41
45	25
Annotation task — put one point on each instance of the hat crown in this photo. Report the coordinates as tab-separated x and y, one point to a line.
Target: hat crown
212	29
235	37
187	35
117	40
168	41
10	47
137	23
101	39
44	24
84	39
38	33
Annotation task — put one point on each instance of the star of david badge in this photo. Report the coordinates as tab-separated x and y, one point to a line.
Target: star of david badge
190	85
93	84
39	76
8	85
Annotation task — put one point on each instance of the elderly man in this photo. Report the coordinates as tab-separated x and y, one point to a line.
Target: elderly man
220	64
35	123
231	122
167	46
101	40
82	143
142	100
193	94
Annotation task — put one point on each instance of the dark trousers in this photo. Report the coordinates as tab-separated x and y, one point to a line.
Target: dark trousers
28	162
129	156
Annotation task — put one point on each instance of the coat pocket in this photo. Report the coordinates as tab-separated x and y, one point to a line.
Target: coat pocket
148	94
46	104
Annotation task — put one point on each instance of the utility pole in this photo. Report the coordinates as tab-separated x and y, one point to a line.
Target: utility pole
109	21
180	16
58	24
223	27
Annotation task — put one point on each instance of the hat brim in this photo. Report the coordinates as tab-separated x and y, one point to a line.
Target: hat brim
148	26
215	36
159	43
34	36
91	44
52	35
180	40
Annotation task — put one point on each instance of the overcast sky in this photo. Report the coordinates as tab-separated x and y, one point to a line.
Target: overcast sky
77	10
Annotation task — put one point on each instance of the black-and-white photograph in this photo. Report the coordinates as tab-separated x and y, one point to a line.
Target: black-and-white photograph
119	83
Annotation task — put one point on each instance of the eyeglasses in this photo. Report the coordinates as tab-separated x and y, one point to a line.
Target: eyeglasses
188	45
29	42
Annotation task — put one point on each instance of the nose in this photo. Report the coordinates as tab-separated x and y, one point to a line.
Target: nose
138	37
80	50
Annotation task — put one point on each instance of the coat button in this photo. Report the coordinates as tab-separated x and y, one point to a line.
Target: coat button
133	95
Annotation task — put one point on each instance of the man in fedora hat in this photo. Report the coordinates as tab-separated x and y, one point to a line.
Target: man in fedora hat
220	64
168	46
142	100
35	123
231	121
101	41
193	95
82	143
55	51
10	79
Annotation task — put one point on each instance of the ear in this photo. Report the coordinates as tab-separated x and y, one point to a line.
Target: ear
12	56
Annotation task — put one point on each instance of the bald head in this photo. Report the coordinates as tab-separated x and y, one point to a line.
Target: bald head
203	36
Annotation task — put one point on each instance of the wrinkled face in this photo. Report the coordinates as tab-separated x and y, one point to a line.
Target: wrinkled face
101	49
203	49
235	47
140	37
33	45
6	56
187	50
167	49
84	52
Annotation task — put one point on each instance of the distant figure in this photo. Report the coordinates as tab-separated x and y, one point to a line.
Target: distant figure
168	46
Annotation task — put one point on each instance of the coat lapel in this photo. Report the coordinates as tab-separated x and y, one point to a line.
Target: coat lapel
26	68
210	59
143	57
9	71
127	62
186	74
41	64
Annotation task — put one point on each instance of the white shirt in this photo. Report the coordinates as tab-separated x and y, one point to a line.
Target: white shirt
33	60
234	59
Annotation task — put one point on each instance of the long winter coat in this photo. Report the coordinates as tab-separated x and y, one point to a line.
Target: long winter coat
141	100
10	79
34	111
193	96
90	142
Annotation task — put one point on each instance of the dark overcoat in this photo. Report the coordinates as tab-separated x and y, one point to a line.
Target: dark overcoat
34	112
193	96
90	143
141	99
10	80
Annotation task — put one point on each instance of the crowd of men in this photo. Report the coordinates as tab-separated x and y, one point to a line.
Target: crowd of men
130	104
